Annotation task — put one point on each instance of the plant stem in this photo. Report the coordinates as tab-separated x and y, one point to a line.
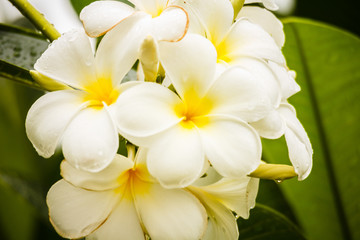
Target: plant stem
36	18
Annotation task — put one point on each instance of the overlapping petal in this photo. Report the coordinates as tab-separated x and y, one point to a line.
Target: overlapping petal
69	60
104	180
49	117
232	146
249	39
300	150
110	13
267	20
171	213
123	223
90	142
272	126
215	28
153	7
72	210
190	64
239	93
146	110
119	49
269	4
171	25
177	158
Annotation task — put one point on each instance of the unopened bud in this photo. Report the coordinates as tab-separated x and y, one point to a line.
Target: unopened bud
46	82
149	58
276	172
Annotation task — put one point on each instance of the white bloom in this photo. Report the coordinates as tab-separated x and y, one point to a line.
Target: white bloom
207	120
163	20
124	202
80	117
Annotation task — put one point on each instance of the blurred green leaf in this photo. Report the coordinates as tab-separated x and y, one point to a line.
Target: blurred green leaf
326	60
266	223
19	50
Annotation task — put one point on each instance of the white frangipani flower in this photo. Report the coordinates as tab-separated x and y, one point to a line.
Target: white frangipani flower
80	116
124	202
162	19
205	120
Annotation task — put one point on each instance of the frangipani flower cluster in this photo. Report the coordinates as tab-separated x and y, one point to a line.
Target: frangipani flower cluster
208	88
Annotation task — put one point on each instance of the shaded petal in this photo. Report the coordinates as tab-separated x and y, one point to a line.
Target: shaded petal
101	16
91	140
221	221
216	16
269	4
298	142
106	179
123	223
265	75
193	67
119	49
170	213
286	79
249	39
267	20
272	126
144	111
238	93
171	25
69	60
75	212
236	194
176	159
232	146
48	118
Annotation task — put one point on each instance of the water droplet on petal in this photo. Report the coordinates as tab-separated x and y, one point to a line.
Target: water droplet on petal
278	181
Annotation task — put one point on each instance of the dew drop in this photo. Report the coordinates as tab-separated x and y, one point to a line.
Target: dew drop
100	153
278	181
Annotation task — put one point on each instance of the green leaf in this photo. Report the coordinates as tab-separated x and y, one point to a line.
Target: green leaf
268	224
19	50
326	60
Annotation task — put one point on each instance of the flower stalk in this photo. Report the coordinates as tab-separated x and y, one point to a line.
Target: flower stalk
36	18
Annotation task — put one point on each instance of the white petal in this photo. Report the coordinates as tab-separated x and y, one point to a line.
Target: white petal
91	140
190	64
48	118
298	142
265	75
269	4
171	25
170	213
267	20
101	16
232	146
69	60
239	93
249	39
106	179
123	223
145	110
236	194
221	221
75	212
286	79
272	126
176	159
152	7
119	49
216	16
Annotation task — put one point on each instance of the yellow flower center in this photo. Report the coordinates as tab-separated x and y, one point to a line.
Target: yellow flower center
100	92
193	110
223	53
132	182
